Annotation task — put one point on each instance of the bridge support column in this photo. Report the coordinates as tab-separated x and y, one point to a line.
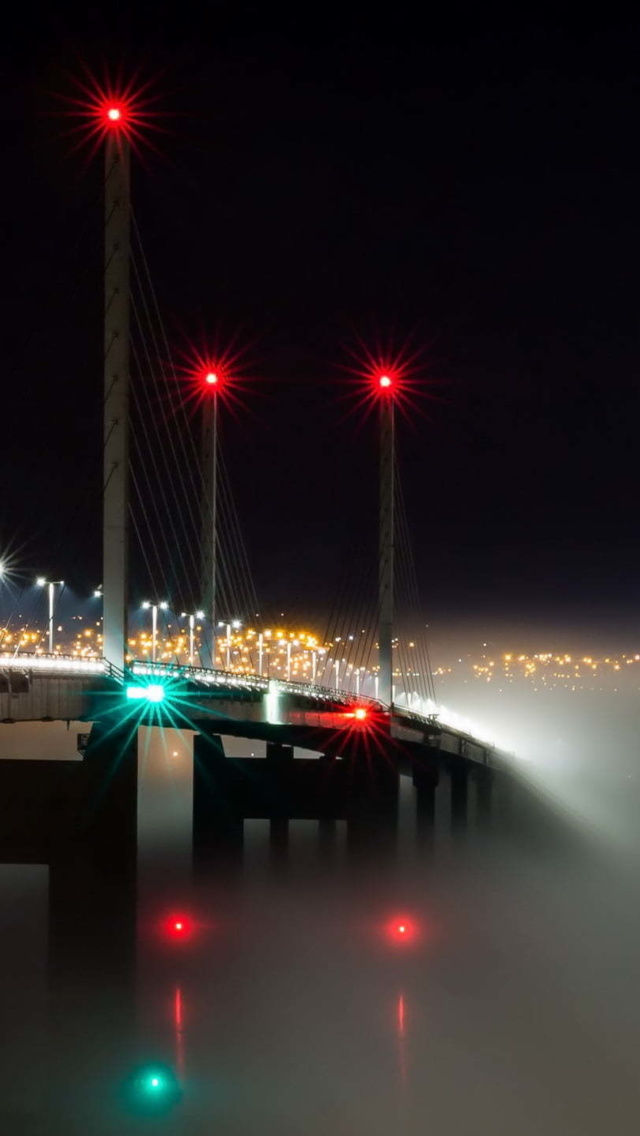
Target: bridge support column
110	816
425	780
372	807
278	840
280	755
484	791
459	775
217	821
327	833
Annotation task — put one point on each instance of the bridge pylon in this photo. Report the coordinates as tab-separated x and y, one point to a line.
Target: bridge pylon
386	538
115	552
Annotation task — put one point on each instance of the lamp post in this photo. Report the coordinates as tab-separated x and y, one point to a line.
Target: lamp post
50	585
260	652
192	626
236	624
153	607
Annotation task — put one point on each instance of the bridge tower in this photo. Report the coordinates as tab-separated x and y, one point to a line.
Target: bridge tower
386	537
212	380
115	554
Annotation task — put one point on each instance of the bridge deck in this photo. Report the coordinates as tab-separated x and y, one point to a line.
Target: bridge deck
43	688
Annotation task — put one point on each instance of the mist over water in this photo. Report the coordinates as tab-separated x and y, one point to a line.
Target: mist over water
292	1004
576	741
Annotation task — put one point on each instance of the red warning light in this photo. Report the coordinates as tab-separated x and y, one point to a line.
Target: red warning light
111	109
357	714
386	376
115	115
213	377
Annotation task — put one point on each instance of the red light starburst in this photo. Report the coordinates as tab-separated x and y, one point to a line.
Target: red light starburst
108	109
215	373
385	373
402	929
359	716
177	927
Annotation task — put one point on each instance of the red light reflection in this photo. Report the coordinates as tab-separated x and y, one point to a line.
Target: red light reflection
402	930
178	927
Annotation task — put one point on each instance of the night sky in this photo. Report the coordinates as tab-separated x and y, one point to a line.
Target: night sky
468	188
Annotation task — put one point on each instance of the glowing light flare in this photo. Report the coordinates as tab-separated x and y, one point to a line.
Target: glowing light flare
402	930
117	110
116	116
177	927
154	692
153	1088
359	716
210	375
388	374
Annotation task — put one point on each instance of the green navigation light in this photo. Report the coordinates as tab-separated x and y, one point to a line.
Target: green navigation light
151	693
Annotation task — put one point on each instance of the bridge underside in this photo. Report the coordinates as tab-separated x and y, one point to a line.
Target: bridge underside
47	805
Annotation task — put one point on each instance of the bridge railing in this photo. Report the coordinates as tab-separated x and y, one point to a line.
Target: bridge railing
252	681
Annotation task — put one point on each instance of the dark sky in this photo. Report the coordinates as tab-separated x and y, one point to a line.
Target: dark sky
468	187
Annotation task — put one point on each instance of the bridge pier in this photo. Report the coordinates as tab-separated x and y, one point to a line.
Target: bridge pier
425	780
327	835
217	822
111	813
459	776
48	807
484	779
278	841
278	755
372	802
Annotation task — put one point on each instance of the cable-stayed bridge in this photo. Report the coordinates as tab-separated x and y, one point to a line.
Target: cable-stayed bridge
167	503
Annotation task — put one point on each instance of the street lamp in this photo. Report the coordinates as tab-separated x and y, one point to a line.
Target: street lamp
51	585
163	605
235	624
192	624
